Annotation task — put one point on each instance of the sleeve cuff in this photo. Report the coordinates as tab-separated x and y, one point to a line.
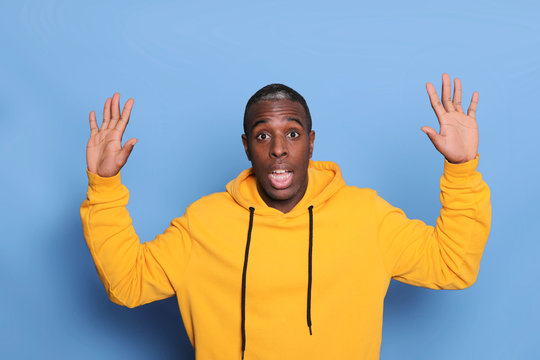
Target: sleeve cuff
102	183
464	169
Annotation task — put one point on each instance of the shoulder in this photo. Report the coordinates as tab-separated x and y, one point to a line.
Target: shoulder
354	197
356	192
214	214
212	202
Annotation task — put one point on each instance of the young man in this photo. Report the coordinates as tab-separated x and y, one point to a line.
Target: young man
289	262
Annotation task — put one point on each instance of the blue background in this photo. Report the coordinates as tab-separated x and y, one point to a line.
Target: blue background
362	66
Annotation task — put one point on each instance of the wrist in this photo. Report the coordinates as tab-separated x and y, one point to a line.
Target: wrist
96	180
460	162
102	174
461	169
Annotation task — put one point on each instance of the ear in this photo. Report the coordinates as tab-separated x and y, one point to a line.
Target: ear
311	141
246	147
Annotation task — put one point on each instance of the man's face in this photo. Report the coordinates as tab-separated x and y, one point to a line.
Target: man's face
279	147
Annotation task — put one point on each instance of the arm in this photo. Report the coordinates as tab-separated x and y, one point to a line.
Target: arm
132	273
446	256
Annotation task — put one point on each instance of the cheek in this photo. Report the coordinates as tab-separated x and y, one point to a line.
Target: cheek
259	157
256	151
301	152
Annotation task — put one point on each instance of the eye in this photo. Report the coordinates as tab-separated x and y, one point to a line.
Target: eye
294	134
261	136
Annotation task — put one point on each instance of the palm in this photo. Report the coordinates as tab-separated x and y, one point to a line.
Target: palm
458	136
105	155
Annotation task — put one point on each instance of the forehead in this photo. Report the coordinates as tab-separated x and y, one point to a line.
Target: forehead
276	109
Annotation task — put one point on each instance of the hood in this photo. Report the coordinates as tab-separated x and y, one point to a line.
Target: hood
324	180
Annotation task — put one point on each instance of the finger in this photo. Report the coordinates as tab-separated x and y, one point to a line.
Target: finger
446	91
106	114
457	95
126	150
115	110
474	104
126	113
434	99
435	138
93	124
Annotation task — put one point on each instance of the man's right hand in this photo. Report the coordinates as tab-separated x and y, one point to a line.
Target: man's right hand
105	155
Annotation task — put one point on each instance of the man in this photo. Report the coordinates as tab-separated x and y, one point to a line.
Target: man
289	262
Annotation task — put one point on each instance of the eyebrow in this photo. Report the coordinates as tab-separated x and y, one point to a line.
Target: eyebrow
263	121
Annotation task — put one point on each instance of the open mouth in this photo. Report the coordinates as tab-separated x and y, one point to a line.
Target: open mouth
281	179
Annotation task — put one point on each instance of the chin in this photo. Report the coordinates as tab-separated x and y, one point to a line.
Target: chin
281	195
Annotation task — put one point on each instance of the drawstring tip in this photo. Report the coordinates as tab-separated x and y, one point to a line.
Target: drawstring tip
310	333
242	354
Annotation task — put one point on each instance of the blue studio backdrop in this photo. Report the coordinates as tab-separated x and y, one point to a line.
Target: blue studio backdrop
191	67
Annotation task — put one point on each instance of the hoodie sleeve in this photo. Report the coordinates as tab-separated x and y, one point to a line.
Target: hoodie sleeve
448	255
133	273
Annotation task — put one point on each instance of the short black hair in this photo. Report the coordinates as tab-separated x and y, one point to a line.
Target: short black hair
277	92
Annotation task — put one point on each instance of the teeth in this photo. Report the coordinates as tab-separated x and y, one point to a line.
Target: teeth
280	175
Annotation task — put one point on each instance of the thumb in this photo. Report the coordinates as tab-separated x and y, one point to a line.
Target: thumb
126	150
433	136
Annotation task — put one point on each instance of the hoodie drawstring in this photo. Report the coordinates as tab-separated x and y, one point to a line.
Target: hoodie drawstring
244	273
310	265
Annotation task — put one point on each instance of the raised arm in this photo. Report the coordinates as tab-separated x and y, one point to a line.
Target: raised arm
445	256
132	273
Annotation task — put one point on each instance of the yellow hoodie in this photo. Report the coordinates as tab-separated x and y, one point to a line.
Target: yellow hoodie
308	284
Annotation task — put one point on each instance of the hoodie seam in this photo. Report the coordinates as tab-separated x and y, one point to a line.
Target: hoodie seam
183	276
111	290
378	237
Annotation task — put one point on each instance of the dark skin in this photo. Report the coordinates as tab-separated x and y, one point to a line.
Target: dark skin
278	139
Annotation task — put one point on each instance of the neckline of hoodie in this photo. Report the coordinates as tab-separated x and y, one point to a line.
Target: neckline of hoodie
254	199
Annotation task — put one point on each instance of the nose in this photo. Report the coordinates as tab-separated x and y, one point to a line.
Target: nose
278	148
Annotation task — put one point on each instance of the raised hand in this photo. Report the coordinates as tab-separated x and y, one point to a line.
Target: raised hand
458	137
105	155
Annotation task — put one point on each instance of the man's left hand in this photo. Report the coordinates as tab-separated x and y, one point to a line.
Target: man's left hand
458	138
